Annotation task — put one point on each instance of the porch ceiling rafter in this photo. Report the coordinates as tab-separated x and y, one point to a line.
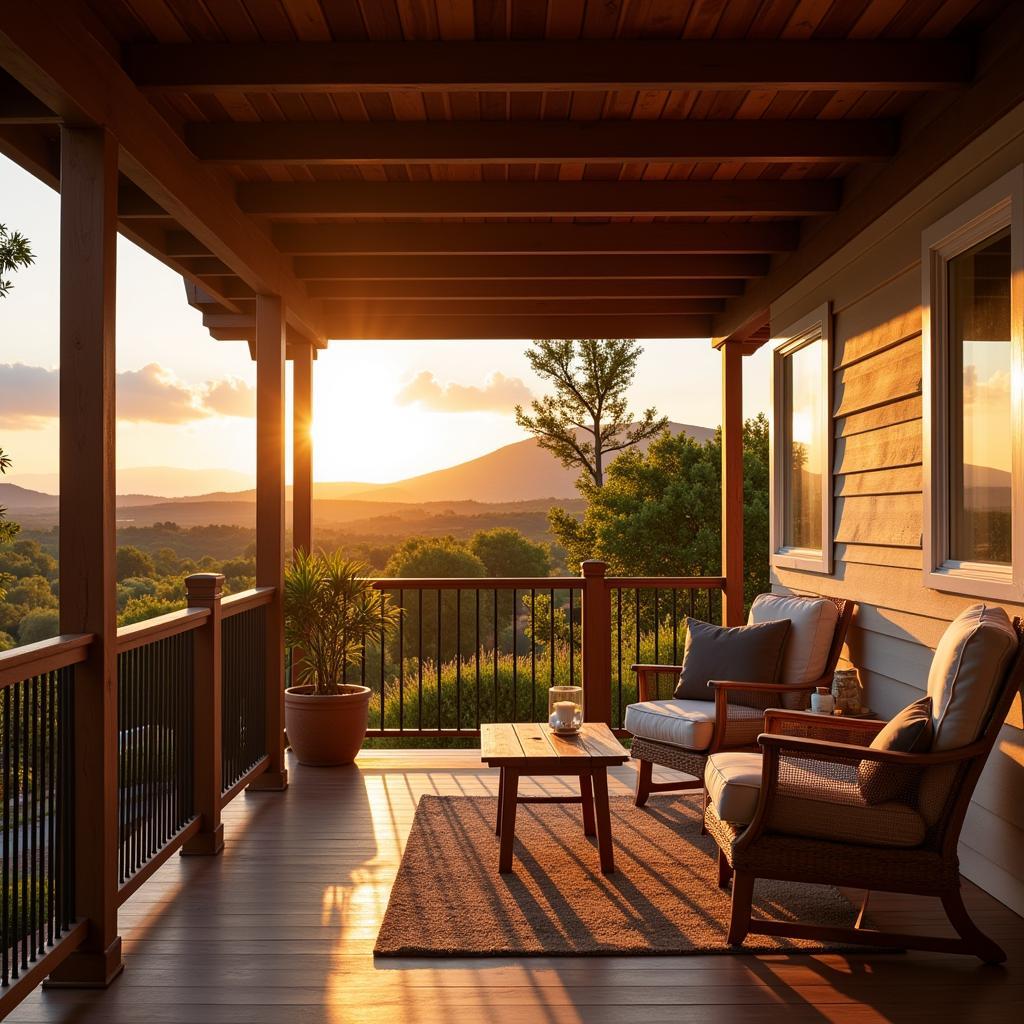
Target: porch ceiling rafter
527	142
517	238
539	289
551	65
423	268
52	54
539	198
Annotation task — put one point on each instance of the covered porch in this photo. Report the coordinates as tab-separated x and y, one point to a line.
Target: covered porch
321	172
281	927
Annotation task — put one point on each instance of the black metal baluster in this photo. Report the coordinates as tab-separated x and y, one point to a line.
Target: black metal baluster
636	595
476	656
675	627
458	659
437	658
383	623
618	643
5	862
26	814
657	628
572	641
533	655
494	654
551	638
44	790
419	659
32	779
401	660
515	661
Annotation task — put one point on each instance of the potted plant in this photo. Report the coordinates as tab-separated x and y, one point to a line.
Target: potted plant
330	610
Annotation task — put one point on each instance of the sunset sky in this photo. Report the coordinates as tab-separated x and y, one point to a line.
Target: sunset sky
383	410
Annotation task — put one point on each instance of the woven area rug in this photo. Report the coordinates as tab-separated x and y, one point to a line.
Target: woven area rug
450	900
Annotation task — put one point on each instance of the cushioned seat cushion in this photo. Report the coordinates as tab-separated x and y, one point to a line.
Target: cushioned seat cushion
691	723
813	622
808	805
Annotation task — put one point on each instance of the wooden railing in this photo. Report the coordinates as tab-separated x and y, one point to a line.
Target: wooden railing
37	874
468	651
191	700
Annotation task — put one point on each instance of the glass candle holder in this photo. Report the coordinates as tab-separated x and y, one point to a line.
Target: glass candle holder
565	709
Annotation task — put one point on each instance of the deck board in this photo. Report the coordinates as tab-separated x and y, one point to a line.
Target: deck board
281	927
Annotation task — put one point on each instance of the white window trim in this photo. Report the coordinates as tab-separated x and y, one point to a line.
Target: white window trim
999	206
813	327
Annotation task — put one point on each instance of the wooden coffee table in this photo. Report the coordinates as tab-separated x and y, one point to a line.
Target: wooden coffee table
527	749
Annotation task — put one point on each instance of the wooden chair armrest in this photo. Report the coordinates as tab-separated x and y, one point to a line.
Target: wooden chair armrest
751	687
827	750
645	677
821	724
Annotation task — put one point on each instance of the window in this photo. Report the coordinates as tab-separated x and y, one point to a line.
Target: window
801	445
973	348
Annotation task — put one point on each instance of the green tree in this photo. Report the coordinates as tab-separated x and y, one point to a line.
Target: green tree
33	592
588	417
506	552
130	561
15	253
38	624
8	530
437	557
7	641
658	512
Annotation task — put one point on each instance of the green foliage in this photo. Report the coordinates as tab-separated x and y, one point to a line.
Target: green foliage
7	641
588	417
506	552
38	624
331	611
130	561
658	512
15	253
434	557
8	530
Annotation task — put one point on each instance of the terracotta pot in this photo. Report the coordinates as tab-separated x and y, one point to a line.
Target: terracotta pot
326	729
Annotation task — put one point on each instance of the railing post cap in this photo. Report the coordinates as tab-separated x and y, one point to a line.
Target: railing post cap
594	567
204	583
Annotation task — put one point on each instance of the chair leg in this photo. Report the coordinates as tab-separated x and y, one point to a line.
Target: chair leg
724	870
976	941
703	810
643	783
742	898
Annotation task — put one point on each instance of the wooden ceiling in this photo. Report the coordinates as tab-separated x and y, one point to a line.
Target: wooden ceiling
504	168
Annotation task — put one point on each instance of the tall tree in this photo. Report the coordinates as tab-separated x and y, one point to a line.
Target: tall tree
8	530
15	253
658	513
588	417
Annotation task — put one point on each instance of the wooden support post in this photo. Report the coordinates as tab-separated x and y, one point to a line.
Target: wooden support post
204	591
597	643
270	348
732	483
88	597
302	448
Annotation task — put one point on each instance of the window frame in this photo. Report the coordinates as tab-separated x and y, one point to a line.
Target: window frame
993	209
816	326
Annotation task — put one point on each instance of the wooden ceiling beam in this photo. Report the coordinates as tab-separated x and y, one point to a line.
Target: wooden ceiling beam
528	142
460	306
54	56
570	65
537	325
19	106
432	239
526	288
427	268
539	198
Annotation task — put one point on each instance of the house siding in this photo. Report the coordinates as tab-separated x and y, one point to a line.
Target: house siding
874	285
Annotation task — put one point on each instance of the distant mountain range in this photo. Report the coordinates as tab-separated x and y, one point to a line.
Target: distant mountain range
519	472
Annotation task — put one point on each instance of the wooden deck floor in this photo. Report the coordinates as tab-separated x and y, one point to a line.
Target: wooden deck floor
280	929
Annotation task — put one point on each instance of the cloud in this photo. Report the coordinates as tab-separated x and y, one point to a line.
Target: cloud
499	394
230	397
29	396
994	392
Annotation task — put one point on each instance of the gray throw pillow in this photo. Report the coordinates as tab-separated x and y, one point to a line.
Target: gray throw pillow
749	654
909	732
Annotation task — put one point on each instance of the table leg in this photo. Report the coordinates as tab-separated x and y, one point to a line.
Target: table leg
509	793
501	793
604	821
587	796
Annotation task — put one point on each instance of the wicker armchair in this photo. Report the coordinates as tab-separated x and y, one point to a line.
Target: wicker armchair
735	727
882	856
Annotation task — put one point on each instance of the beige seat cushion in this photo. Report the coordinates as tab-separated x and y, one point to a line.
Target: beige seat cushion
966	675
805	807
813	627
691	723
